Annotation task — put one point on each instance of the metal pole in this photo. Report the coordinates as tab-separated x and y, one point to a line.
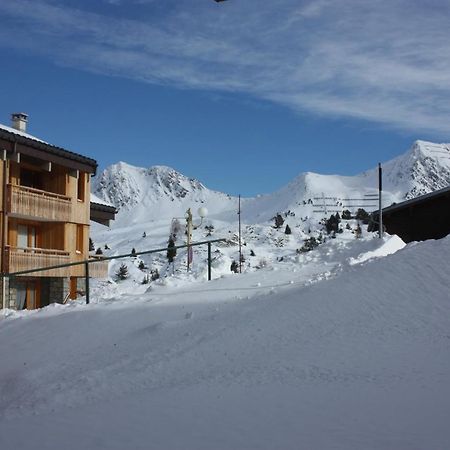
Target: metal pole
380	189
209	261
86	274
240	242
189	236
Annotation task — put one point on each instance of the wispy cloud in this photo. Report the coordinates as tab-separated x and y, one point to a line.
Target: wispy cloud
386	62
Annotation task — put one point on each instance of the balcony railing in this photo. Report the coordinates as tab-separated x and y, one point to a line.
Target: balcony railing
31	258
34	258
98	269
31	202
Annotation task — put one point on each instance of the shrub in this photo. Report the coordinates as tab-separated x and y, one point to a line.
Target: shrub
308	245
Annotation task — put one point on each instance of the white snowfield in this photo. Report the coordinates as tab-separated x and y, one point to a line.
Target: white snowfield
325	355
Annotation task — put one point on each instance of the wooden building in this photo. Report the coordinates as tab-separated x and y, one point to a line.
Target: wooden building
421	218
45	214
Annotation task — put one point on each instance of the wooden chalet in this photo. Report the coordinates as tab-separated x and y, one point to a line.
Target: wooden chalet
421	218
44	218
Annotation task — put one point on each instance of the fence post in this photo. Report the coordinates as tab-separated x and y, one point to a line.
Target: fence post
86	274
209	261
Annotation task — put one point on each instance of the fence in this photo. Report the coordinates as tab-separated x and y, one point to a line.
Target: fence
87	262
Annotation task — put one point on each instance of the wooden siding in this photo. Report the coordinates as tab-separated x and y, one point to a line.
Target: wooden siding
26	201
30	258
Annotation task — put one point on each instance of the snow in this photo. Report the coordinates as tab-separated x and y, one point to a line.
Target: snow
340	356
99	201
20	133
391	245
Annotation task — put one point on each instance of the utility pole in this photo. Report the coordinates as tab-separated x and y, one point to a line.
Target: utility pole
240	242
380	189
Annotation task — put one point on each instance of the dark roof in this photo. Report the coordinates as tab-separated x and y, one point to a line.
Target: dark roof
415	201
30	141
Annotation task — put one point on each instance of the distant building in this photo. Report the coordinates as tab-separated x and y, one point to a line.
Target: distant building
44	218
421	218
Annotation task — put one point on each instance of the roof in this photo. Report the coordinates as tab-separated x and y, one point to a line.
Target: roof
415	201
98	203
15	136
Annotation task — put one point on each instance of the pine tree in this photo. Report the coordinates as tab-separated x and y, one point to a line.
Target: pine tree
287	230
99	251
234	266
106	247
278	220
141	265
133	252
91	245
346	215
122	273
171	250
144	234
252	253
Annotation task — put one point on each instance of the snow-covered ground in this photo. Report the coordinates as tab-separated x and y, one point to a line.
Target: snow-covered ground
346	350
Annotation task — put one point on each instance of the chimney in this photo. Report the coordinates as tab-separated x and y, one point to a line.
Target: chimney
19	121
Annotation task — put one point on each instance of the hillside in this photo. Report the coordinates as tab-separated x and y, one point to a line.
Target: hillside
274	359
148	200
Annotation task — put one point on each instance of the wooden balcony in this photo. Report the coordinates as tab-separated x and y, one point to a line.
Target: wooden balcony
33	203
32	258
98	269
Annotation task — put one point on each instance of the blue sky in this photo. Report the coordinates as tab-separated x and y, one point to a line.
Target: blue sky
243	95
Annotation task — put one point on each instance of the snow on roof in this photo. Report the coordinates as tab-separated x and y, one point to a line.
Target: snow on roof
21	133
99	201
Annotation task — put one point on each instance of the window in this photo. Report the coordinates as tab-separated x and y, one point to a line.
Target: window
80	239
81	186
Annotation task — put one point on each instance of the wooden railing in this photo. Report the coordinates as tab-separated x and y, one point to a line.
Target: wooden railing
39	204
30	258
98	269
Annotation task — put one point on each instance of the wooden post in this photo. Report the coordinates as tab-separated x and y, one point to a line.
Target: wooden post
86	274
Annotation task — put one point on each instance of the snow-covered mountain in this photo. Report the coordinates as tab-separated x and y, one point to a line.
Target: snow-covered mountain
161	192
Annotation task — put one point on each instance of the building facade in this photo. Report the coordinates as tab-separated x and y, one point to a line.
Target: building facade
44	218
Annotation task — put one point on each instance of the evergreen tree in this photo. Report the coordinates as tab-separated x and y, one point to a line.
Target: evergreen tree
99	251
287	230
106	247
171	250
144	234
332	224
91	245
346	215
122	273
141	265
362	215
252	253
279	220
133	252
234	266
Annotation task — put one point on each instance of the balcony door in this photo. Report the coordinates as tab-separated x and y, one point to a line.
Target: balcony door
27	236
